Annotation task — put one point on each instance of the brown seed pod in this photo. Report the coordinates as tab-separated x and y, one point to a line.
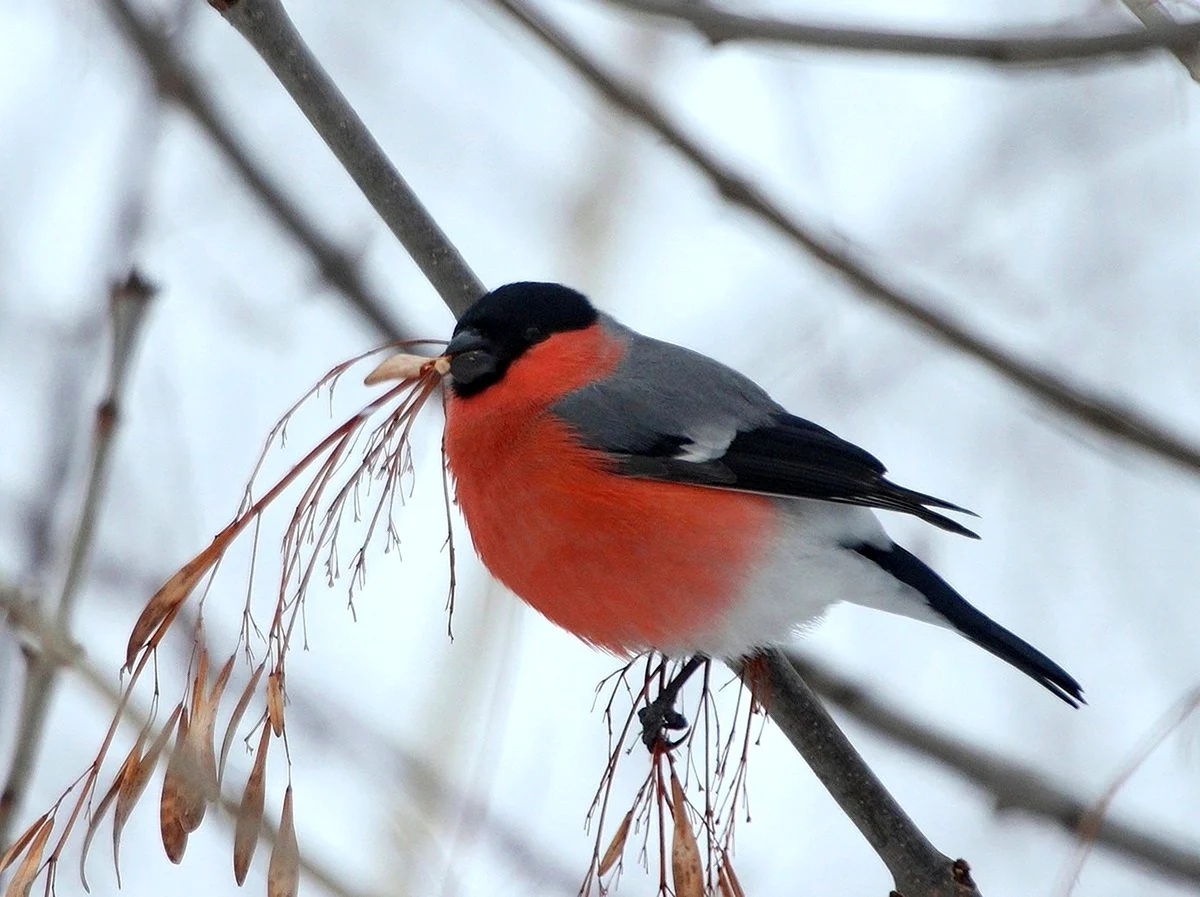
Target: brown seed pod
250	811
275	702
22	879
283	875
616	846
687	870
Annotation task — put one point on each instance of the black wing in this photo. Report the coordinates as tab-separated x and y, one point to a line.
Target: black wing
667	413
791	457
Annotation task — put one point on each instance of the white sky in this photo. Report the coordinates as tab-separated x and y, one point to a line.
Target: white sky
1055	211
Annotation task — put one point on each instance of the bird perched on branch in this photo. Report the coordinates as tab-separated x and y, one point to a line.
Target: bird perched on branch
644	496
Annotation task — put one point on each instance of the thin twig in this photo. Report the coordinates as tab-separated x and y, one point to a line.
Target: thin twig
53	642
917	867
266	27
1012	785
1156	18
1012	48
176	81
129	302
1104	414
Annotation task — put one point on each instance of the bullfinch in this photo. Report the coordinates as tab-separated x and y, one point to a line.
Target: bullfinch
644	496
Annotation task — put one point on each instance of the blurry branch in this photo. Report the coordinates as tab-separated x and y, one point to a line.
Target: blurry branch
1155	17
73	342
129	302
175	81
266	27
1175	717
1090	408
331	720
53	643
1027	47
327	724
1012	785
916	866
608	180
72	359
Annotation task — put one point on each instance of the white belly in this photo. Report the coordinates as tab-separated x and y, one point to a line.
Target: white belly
805	571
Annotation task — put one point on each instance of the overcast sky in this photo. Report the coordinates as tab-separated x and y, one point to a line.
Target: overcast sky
1056	211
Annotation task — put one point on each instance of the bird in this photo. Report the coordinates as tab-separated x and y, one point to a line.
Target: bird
644	496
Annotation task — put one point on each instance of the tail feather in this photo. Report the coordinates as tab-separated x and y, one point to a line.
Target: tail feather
986	633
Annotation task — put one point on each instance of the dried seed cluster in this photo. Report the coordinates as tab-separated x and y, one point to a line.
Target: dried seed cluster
368	453
697	861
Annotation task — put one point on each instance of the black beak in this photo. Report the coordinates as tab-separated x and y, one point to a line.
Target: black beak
465	341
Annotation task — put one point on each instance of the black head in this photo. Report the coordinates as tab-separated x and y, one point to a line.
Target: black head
496	330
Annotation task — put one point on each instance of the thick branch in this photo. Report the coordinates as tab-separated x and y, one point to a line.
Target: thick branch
1012	48
1013	786
917	867
1106	415
176	81
266	26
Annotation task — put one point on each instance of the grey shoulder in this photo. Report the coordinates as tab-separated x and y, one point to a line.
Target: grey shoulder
661	395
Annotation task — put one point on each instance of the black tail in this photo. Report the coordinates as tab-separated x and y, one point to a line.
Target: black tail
987	634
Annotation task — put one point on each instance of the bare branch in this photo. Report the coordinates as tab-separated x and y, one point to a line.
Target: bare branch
1013	48
266	26
1099	412
129	302
176	82
1013	785
1155	17
918	868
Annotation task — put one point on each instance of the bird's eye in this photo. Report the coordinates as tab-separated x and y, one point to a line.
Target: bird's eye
533	333
470	366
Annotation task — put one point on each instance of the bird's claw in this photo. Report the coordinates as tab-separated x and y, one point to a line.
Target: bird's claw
657	718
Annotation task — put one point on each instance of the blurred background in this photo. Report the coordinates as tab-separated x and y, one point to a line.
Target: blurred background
1056	210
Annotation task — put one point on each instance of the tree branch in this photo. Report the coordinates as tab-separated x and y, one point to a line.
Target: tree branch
916	866
1155	17
1101	413
1014	48
177	83
128	305
1012	785
266	27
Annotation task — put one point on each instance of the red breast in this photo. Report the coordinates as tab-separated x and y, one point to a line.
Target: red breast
623	563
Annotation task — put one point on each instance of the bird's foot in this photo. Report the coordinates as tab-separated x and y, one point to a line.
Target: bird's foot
659	717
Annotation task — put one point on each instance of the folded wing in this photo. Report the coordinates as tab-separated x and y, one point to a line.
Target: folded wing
667	413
